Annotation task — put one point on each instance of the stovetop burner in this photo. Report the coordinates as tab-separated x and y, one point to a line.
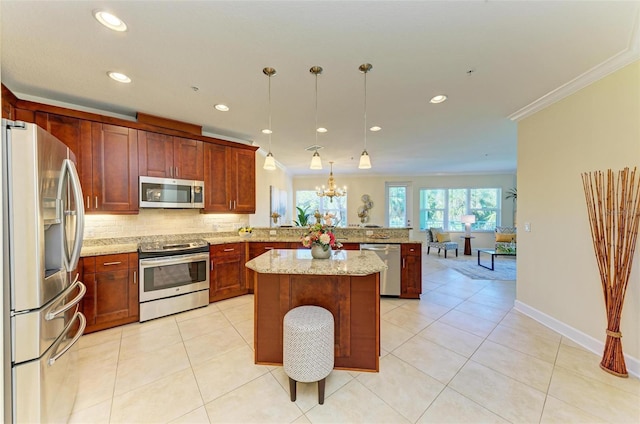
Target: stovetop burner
164	248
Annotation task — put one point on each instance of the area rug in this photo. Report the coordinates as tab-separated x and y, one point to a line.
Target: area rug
504	269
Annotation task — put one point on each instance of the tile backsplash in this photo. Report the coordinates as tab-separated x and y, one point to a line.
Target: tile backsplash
160	222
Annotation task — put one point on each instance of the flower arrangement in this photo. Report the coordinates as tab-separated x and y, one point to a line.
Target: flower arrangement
320	235
245	231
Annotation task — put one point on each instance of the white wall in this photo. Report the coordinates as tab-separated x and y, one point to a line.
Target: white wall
597	128
374	186
264	181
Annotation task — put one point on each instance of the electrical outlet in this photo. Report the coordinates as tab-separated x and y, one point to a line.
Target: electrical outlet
369	232
527	227
272	232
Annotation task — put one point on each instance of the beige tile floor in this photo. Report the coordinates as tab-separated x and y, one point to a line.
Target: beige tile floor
460	354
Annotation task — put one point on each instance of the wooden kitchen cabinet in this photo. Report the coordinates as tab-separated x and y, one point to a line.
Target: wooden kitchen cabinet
350	246
256	249
165	156
411	274
227	272
230	179
112	290
73	132
109	175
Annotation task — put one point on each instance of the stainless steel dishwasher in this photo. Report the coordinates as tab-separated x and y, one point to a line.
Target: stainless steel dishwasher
390	278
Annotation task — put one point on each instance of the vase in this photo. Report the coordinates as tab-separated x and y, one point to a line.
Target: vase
317	252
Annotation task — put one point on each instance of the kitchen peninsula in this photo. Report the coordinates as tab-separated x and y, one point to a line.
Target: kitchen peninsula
347	284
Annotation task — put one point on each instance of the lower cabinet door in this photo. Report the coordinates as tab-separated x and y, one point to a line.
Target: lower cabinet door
226	277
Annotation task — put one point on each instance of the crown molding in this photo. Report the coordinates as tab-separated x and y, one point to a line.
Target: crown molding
609	66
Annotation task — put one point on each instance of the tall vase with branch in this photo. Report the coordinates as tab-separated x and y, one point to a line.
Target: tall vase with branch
613	206
512	193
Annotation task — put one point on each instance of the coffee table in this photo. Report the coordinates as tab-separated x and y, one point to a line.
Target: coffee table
493	254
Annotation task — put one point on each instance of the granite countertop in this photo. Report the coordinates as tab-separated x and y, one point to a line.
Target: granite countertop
299	261
285	239
108	249
94	247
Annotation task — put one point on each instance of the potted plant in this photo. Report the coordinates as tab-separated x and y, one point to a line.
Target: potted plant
303	217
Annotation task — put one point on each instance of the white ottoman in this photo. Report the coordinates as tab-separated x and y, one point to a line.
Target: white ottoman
308	347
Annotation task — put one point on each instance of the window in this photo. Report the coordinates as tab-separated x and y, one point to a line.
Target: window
445	207
398	207
310	200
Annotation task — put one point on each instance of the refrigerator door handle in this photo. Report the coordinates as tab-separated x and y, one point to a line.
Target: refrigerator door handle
83	289
83	324
72	261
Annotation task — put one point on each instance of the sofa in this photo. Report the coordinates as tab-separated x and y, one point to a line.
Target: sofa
505	239
438	238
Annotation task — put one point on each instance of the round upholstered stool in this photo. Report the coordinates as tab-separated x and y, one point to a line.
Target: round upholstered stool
308	347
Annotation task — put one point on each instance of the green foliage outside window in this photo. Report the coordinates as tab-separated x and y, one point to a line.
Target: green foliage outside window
444	208
308	200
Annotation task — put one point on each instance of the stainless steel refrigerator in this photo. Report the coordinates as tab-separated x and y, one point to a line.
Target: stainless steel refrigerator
43	222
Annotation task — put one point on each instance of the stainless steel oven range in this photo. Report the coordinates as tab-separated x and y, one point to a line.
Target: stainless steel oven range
174	277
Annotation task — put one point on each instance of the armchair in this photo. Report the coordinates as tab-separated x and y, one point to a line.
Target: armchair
444	242
505	238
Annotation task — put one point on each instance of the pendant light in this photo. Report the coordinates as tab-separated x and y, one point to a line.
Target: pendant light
269	161
316	162
365	161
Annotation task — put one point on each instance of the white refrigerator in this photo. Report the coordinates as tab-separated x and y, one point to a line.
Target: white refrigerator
43	222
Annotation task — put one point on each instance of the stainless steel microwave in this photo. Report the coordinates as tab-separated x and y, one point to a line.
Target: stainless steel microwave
171	193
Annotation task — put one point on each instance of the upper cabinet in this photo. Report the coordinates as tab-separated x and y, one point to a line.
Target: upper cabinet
166	156
73	132
229	178
110	170
112	153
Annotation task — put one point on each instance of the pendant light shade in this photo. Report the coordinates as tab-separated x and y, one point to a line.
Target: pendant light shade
269	160
365	160
316	162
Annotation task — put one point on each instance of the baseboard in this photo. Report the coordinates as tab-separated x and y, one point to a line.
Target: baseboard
584	340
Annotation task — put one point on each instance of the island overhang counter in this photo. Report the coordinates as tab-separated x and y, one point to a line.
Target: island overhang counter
347	285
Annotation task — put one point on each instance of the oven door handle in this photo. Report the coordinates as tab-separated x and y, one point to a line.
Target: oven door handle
173	260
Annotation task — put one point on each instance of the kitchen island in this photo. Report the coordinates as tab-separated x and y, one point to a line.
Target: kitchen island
347	284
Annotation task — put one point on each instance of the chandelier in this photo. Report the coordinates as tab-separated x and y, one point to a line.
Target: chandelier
331	191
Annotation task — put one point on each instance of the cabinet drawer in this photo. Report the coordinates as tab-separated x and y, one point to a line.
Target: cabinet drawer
229	249
107	263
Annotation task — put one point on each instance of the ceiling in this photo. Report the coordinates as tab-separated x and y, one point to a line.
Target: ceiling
490	58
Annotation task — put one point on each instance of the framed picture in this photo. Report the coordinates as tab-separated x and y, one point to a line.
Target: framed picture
278	207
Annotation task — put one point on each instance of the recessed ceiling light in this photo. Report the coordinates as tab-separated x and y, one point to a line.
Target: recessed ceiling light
222	108
110	20
322	130
118	76
438	99
375	128
267	131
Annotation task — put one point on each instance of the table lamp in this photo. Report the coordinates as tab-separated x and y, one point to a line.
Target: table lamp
467	220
